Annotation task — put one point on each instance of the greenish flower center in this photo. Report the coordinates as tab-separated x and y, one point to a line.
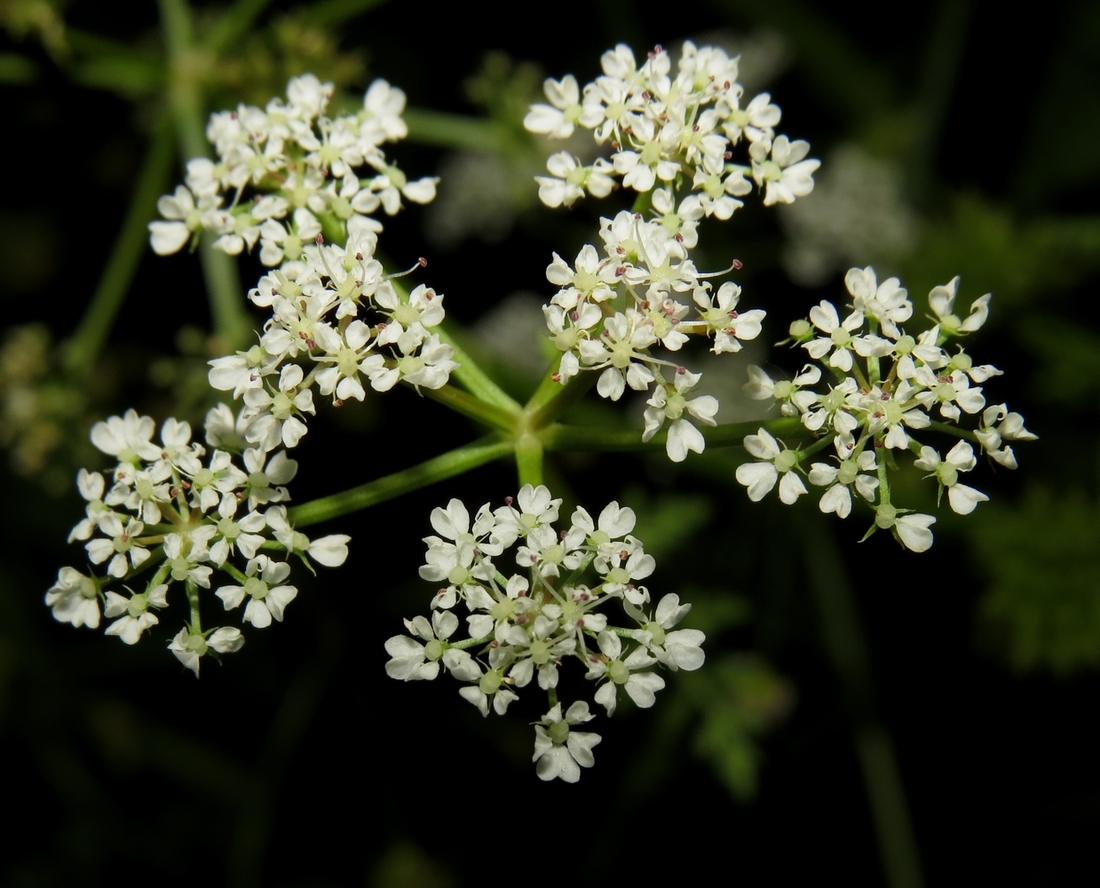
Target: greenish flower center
255	587
786	461
490	683
558	732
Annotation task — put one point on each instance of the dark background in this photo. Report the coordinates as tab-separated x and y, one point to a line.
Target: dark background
834	668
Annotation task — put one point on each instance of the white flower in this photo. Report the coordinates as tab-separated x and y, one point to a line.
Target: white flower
641	687
491	686
412	661
129	437
785	175
74	598
887	302
668	402
91	486
999	425
942	302
331	551
910	529
838	337
728	326
569	180
960	458
122	544
380	120
189	647
268	595
134	612
557	119
185	218
857	471
679	649
760	477
559	751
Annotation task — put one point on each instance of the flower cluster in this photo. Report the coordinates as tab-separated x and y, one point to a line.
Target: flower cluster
886	386
678	130
180	512
524	626
286	179
672	140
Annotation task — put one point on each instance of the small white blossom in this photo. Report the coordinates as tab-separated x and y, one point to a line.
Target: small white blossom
776	465
189	646
74	598
559	751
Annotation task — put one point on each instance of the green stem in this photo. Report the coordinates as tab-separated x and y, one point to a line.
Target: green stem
234	23
186	68
954	430
883	477
468	405
529	459
223	284
475	379
818	445
552	399
564	437
87	342
452	130
193	600
447	465
846	646
326	13
470	642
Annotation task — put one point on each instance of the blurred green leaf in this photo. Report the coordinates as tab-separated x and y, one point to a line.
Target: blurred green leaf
1042	606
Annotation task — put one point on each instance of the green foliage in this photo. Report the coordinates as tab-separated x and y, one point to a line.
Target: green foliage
739	698
1043	605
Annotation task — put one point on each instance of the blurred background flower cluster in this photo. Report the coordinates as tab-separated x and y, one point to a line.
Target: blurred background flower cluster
902	719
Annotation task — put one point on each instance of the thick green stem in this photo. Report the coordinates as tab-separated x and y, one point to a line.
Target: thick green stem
223	285
469	374
476	380
447	465
234	23
326	13
552	399
564	437
453	130
468	405
87	343
186	66
529	459
846	646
